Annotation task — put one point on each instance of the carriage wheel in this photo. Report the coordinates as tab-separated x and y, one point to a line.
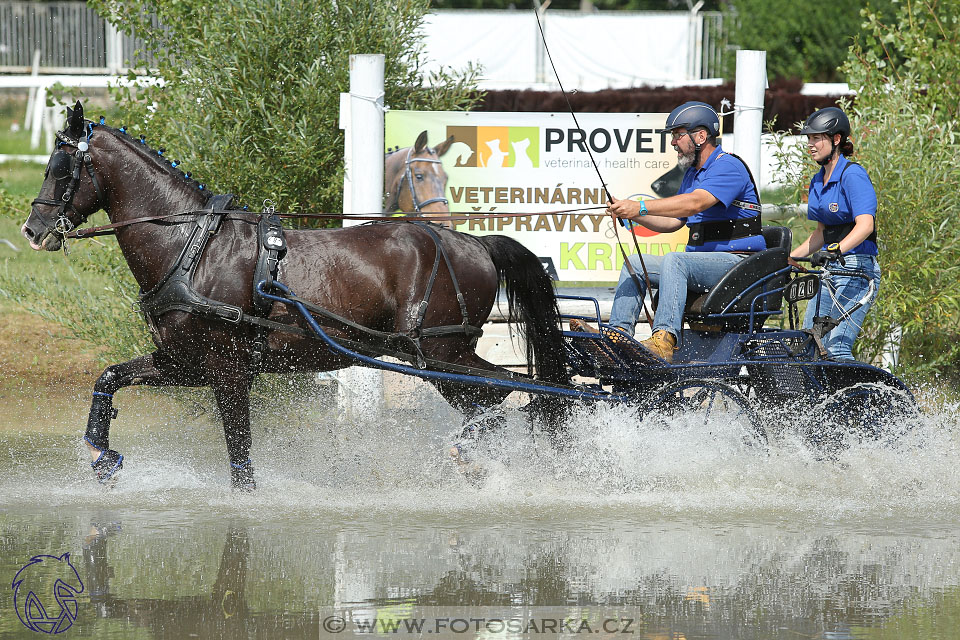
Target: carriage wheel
860	413
710	400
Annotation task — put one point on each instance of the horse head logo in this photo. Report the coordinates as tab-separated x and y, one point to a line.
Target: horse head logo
38	584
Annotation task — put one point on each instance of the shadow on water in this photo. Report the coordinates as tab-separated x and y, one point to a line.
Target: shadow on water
686	529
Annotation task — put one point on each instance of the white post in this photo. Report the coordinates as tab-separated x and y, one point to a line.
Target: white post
114	49
347	154
366	133
36	122
50	125
360	389
748	107
694	41
890	358
32	93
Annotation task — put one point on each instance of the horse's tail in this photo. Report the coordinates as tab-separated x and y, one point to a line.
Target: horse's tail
531	302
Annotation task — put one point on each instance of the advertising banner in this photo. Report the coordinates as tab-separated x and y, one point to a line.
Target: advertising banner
537	164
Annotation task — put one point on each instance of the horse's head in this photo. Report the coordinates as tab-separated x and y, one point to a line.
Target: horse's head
414	178
70	192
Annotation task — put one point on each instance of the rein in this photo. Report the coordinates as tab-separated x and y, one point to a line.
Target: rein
111	229
623	253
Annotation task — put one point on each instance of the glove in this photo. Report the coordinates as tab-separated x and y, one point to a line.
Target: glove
830	254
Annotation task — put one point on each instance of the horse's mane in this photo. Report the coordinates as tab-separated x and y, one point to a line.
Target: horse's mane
156	157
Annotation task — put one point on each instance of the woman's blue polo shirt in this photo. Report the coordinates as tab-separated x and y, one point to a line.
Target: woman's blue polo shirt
847	194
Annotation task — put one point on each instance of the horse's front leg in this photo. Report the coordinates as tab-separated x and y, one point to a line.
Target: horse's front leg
233	401
153	370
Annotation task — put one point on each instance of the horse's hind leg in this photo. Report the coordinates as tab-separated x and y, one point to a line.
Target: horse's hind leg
473	401
154	370
233	401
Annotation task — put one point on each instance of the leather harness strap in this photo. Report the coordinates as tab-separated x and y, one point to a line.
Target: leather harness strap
175	292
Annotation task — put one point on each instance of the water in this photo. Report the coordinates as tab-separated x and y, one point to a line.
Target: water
684	529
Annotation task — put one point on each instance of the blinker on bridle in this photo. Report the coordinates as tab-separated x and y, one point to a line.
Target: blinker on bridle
79	161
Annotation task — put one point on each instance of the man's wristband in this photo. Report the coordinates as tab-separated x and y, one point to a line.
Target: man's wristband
643	208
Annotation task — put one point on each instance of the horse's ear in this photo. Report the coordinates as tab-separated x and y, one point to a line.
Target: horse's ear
444	146
75	120
421	142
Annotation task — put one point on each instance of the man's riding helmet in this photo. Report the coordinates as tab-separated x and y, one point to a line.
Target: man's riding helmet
830	121
691	115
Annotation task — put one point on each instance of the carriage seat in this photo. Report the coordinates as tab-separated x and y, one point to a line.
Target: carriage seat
743	278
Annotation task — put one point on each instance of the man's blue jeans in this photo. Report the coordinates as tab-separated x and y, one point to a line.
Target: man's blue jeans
674	275
847	290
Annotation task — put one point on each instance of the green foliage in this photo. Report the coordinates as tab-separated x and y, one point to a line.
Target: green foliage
806	40
917	48
251	94
250	104
907	116
91	292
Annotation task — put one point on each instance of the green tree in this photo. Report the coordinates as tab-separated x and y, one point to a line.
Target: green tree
250	100
805	40
250	105
907	114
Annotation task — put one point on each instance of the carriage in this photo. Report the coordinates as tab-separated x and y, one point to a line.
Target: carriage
228	295
730	364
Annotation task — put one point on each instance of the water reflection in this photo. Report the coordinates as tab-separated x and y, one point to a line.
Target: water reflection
223	612
682	530
175	574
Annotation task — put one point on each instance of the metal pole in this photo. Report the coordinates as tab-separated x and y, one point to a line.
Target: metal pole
748	107
694	41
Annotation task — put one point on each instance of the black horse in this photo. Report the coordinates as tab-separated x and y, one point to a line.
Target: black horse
377	276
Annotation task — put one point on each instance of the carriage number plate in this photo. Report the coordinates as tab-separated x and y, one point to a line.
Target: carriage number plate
802	288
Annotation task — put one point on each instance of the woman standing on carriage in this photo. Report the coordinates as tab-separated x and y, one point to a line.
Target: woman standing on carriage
843	203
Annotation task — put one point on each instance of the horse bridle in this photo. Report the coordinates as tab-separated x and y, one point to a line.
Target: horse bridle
79	160
408	177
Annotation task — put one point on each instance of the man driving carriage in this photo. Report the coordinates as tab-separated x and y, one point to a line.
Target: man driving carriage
717	201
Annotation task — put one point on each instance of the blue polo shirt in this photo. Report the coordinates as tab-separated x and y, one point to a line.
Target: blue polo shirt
847	194
726	179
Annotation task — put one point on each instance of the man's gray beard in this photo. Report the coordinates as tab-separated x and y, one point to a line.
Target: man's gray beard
685	161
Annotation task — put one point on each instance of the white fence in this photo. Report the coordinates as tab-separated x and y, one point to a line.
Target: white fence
596	50
70	37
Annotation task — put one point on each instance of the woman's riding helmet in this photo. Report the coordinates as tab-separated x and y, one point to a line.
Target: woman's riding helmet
830	121
691	115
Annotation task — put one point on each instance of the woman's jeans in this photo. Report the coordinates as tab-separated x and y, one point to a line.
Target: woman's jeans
673	274
847	291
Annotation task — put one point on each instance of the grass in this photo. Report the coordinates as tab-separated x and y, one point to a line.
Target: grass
18	178
14	139
21	178
34	351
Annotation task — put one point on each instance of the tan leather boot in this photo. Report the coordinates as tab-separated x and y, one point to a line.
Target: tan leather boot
661	344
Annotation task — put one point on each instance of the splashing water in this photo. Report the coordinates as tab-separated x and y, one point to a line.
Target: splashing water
311	456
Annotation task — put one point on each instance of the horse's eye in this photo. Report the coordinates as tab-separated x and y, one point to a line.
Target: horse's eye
419	176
